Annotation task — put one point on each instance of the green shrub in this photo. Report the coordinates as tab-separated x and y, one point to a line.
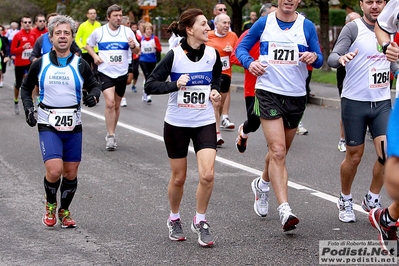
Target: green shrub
337	16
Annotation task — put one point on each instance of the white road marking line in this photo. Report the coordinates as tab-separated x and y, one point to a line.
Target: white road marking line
239	166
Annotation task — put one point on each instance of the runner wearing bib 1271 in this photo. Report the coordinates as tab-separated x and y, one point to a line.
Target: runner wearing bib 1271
288	43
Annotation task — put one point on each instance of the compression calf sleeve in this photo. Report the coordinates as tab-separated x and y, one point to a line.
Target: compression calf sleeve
68	189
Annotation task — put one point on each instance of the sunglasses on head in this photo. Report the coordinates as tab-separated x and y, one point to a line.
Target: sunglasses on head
27	22
222	9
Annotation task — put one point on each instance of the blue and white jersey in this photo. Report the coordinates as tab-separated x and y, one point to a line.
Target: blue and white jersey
280	46
190	106
113	48
59	86
148	50
279	49
46	44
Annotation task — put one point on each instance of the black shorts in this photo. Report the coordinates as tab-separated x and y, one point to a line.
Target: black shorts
20	72
177	139
269	105
357	115
119	83
225	84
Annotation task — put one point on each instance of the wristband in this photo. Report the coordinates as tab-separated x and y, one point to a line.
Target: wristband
385	47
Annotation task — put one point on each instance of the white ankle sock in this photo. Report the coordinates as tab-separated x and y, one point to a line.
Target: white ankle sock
199	217
373	196
174	216
346	197
263	185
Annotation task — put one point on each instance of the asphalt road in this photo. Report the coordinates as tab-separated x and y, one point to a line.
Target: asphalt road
121	204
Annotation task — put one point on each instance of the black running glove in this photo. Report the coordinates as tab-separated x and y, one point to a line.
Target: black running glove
89	100
30	117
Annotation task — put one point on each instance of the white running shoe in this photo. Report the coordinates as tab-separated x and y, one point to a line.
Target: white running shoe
144	98
301	130
368	205
342	145
227	124
123	102
346	213
287	218
261	204
110	143
16	108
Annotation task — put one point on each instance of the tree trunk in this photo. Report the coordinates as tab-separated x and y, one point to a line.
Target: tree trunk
236	17
324	30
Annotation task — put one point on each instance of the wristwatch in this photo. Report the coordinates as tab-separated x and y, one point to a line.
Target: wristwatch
385	47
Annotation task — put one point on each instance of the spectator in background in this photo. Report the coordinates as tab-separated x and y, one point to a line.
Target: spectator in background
40	26
248	24
341	73
219	8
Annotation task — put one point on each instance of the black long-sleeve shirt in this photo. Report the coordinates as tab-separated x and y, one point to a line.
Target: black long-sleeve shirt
157	84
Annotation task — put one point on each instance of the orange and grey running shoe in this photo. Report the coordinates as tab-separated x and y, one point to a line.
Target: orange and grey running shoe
50	218
65	219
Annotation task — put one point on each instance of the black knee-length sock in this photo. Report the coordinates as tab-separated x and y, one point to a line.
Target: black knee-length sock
51	190
68	189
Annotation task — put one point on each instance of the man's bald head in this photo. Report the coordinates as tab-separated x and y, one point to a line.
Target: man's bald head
351	16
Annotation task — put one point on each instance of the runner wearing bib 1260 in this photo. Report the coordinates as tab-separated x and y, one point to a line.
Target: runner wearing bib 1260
21	47
114	41
365	102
